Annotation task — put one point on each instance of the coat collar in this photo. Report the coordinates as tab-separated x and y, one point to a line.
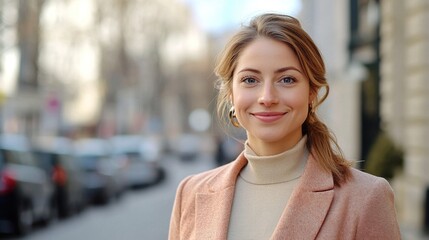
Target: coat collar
301	219
308	205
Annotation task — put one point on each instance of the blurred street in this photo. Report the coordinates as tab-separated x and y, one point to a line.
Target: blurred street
139	214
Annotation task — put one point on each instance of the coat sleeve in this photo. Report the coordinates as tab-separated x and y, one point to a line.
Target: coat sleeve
174	231
378	220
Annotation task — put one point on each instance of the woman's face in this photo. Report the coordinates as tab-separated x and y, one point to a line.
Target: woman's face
271	96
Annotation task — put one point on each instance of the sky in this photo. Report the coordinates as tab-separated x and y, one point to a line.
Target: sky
217	16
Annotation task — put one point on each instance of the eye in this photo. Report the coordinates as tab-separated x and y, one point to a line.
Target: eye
249	80
287	80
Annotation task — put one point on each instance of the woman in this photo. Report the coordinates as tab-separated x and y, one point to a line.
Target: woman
291	181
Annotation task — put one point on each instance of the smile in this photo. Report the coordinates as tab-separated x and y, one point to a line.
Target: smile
268	117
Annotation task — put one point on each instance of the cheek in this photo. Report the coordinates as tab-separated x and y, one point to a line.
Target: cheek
298	100
236	94
242	99
233	92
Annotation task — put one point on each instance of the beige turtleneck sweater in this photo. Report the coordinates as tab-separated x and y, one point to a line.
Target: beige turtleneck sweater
262	191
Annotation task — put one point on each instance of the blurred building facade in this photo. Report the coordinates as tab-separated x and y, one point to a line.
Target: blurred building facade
378	77
405	105
327	22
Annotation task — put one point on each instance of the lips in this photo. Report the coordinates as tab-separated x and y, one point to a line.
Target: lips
268	117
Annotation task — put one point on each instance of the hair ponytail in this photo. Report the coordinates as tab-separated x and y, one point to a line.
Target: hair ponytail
324	147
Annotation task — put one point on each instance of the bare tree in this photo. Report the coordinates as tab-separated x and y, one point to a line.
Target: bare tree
28	40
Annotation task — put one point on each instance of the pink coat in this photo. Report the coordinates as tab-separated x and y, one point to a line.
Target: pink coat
362	208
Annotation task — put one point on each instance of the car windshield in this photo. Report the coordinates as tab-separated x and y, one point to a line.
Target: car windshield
45	159
17	157
89	162
133	155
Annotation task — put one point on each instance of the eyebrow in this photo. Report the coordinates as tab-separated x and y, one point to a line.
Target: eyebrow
284	69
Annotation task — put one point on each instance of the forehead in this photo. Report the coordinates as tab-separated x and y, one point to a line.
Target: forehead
267	54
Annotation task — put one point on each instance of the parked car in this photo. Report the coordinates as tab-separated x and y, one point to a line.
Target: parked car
55	154
25	189
227	150
141	155
188	146
101	177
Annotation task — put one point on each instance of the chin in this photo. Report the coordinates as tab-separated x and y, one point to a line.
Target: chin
278	135
270	137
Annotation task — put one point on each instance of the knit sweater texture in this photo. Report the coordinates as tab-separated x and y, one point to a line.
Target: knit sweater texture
263	189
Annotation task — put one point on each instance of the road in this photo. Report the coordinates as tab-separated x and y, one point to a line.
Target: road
141	214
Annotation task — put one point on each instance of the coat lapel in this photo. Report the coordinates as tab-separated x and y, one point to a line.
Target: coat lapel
308	205
213	209
212	214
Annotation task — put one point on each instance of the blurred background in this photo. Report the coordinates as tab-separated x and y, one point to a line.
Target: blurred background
105	105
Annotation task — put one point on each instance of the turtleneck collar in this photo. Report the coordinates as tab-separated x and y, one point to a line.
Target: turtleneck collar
284	167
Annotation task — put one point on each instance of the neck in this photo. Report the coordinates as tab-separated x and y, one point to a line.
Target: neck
281	168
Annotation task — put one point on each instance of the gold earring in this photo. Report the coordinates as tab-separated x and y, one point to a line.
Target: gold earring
310	108
233	117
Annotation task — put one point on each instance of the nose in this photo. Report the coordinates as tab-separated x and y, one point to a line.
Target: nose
268	95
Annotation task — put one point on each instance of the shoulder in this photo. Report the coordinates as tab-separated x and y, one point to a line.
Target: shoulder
374	206
367	196
361	180
365	187
364	180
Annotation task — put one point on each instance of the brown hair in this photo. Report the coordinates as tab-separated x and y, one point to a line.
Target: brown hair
288	30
